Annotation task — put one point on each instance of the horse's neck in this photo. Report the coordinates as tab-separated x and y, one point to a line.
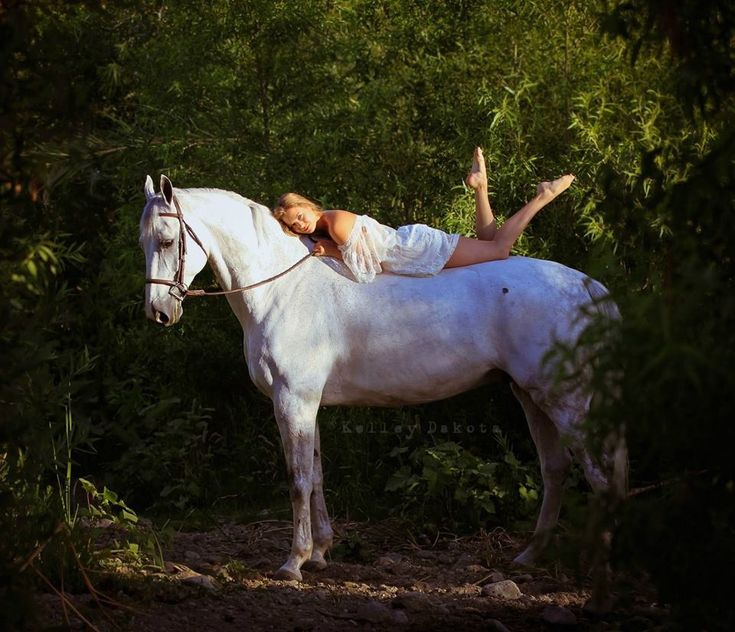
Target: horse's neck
244	242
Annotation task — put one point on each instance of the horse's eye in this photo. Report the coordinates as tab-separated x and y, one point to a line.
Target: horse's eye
166	243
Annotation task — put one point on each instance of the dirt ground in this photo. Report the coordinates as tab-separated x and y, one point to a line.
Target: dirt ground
377	579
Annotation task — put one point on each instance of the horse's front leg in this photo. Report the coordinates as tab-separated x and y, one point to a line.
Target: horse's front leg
296	418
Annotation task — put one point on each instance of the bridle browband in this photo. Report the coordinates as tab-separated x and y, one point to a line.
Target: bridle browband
177	288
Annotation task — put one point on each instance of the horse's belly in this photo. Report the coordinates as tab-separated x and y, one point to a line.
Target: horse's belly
409	377
394	393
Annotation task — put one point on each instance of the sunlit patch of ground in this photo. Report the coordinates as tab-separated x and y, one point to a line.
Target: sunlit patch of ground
377	579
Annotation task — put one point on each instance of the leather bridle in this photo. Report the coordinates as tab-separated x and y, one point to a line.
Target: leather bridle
177	288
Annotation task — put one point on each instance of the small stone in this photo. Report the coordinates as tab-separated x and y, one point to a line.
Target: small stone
388	560
201	580
191	555
495	577
476	568
505	589
556	615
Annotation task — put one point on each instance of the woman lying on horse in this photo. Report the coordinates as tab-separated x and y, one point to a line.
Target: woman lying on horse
369	248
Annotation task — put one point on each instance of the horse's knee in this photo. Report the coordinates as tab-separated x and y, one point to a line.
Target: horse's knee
300	488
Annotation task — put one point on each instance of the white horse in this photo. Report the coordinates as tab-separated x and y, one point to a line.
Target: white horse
313	337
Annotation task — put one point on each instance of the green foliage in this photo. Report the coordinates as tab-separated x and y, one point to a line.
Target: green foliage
178	450
106	505
447	484
667	376
114	532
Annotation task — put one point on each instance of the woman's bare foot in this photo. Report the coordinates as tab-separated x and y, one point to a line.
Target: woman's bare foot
555	187
477	177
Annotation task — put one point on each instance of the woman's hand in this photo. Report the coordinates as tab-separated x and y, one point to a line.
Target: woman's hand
326	248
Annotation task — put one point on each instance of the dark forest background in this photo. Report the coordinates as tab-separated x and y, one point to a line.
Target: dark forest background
375	106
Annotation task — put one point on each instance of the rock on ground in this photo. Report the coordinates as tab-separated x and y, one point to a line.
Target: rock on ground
504	589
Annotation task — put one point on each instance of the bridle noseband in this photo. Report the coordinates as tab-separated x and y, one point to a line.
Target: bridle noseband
177	288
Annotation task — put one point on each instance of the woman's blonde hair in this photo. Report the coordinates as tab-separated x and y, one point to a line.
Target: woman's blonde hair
289	200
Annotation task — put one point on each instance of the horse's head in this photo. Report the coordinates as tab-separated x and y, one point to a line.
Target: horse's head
172	257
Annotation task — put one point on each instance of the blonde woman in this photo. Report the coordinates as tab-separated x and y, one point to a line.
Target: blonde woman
369	248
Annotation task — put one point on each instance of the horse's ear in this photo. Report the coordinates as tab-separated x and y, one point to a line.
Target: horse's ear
149	190
167	189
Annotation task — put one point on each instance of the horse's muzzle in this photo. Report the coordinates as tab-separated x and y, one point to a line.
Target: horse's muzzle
164	313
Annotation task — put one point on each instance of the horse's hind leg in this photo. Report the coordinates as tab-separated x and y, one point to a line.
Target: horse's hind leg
608	477
555	462
321	529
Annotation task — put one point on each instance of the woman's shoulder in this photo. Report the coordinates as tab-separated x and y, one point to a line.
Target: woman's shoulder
341	223
335	214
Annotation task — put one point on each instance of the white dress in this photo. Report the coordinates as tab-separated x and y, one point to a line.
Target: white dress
415	250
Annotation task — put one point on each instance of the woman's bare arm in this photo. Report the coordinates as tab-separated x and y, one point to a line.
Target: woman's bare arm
340	225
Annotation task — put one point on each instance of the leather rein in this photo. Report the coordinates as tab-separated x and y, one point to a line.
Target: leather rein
177	288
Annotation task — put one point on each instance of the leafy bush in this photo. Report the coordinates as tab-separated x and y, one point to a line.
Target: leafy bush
448	485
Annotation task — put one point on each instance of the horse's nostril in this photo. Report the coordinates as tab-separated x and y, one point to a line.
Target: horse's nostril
161	317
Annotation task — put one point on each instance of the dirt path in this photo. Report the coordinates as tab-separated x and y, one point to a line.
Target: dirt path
377	579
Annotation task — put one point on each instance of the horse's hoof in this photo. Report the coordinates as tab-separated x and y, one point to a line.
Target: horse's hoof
314	565
287	574
526	558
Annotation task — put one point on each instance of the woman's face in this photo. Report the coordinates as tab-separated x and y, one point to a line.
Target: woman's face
301	219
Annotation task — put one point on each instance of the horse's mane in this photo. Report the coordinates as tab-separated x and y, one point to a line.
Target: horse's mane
267	227
145	219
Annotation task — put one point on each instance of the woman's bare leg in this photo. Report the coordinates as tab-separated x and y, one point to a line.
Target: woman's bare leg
512	228
485	226
471	251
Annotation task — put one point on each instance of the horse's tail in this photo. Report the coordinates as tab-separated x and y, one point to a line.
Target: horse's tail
601	299
615	448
